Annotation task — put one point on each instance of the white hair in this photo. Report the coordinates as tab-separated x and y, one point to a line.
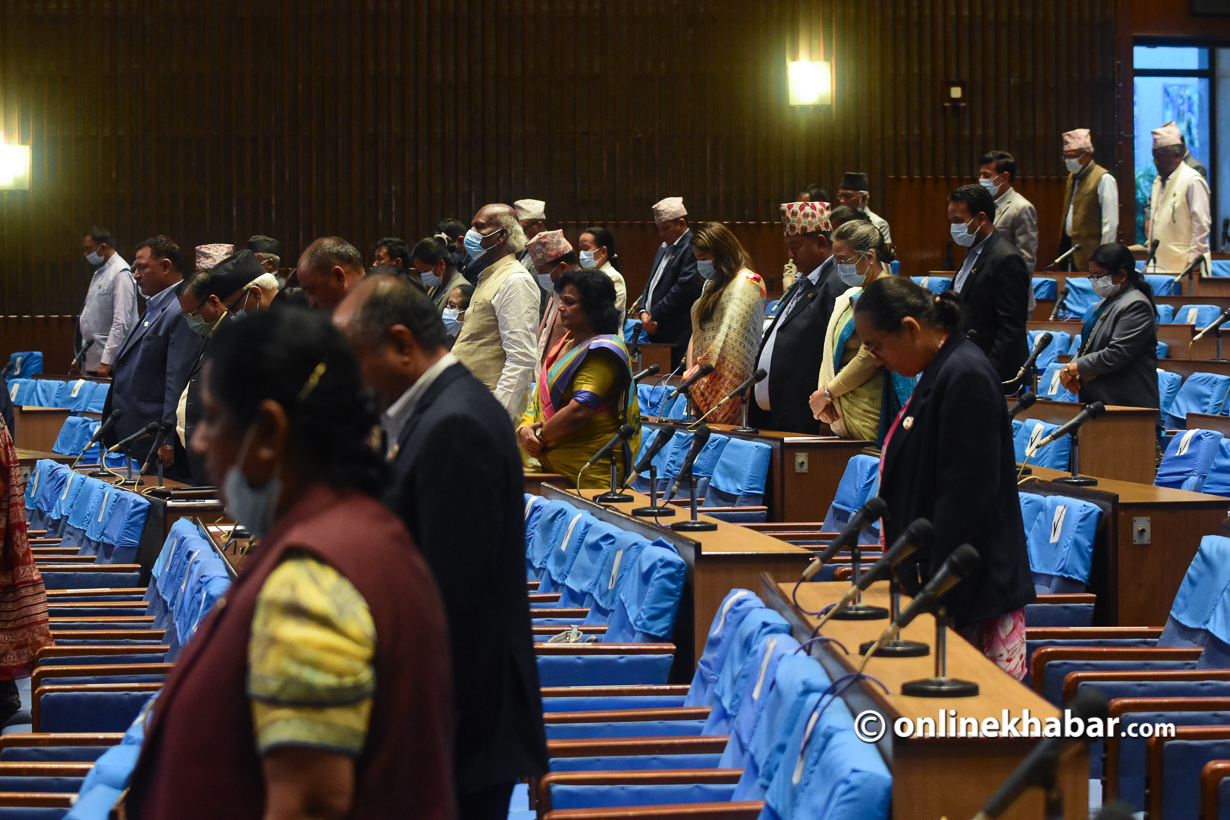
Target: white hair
516	234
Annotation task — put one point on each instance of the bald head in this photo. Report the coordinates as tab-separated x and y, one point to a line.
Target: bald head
328	270
502	233
395	332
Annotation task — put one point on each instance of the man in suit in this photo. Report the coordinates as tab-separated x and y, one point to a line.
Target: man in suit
152	367
1016	219
447	434
793	347
674	284
993	282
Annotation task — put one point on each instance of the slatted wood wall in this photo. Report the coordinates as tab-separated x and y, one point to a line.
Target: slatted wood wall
210	121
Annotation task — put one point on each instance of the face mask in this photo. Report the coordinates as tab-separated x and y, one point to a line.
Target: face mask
252	507
705	268
990	186
587	260
199	325
451	323
93	258
430	280
243	309
962	236
1103	286
848	273
544	282
1074	165
474	244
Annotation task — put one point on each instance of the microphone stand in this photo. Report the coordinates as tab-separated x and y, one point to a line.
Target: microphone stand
898	647
612	496
746	401
859	611
1076	479
693	525
653	510
940	686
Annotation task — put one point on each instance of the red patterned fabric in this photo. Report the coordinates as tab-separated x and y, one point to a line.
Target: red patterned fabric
805	217
24	628
1002	640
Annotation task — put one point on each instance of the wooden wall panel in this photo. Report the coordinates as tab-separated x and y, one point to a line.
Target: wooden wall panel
211	121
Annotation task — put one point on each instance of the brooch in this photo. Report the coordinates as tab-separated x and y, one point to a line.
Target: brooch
907	422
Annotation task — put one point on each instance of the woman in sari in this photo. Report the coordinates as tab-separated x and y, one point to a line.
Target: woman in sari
584	393
727	320
24	628
852	397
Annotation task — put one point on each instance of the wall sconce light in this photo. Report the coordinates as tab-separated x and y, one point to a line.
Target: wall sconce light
811	83
14	167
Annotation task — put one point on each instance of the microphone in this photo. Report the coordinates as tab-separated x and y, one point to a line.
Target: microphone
1073	424
701	371
1152	253
1218	322
1044	339
652	370
81	353
1022	404
864	518
660	440
7	369
1190	269
1038	767
147	430
738	392
163	431
959	564
635	341
699	439
1059	300
1063	256
911	538
105	428
621	435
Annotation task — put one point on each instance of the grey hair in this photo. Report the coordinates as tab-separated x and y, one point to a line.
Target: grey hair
516	234
863	237
328	251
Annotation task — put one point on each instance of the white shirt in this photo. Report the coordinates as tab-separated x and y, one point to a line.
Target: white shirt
880	223
666	258
516	313
1108	196
761	390
394	419
110	311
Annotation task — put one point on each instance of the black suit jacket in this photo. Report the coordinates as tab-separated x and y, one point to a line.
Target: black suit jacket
996	301
951	461
458	484
1118	363
798	352
677	290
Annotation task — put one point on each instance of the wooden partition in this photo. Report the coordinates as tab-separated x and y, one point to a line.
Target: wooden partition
1120	445
50	335
36	428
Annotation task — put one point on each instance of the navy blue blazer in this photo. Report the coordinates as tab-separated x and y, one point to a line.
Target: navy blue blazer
677	290
150	371
458	484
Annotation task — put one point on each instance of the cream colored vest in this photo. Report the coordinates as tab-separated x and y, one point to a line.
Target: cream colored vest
1172	220
478	345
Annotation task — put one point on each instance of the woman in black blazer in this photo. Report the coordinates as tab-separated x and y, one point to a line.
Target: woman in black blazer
948	458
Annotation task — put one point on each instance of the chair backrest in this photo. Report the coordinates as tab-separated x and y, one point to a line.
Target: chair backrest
1049	386
1168	385
1188	459
1060	342
47	393
1057	455
1200	393
50	489
1220	267
617	563
123	531
648	597
98	400
1205	585
740	475
76	395
35	483
26	364
1165	314
1061	539
853	490
560	557
1199	315
533	512
1163	350
734	608
73	435
79	514
758	681
1044	287
21	391
557	517
64	503
1081	299
1032	506
1217	482
650	397
1074	348
710	454
1163	284
587	562
100	516
935	284
749	640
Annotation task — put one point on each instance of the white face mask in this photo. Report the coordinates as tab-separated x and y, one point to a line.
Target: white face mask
587	260
430	280
451	323
1073	165
961	234
848	272
990	186
93	258
253	507
706	268
544	282
1103	286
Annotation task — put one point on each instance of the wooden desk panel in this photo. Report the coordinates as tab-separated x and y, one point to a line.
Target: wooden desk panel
659	354
37	428
923	768
1186	367
1136	583
1119	445
1200	421
718	561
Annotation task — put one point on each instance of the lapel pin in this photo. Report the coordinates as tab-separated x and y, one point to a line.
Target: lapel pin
907	422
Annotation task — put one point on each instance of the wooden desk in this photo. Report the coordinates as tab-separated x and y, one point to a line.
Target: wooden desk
1122	444
1178	337
37	428
718	561
534	481
1185	368
1200	421
1136	582
656	353
923	768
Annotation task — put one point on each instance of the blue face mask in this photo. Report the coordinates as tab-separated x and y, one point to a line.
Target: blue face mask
430	280
705	268
474	243
961	234
544	282
253	507
587	260
451	323
849	275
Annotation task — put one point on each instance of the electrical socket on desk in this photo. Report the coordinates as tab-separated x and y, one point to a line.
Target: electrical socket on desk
800	462
1142	530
